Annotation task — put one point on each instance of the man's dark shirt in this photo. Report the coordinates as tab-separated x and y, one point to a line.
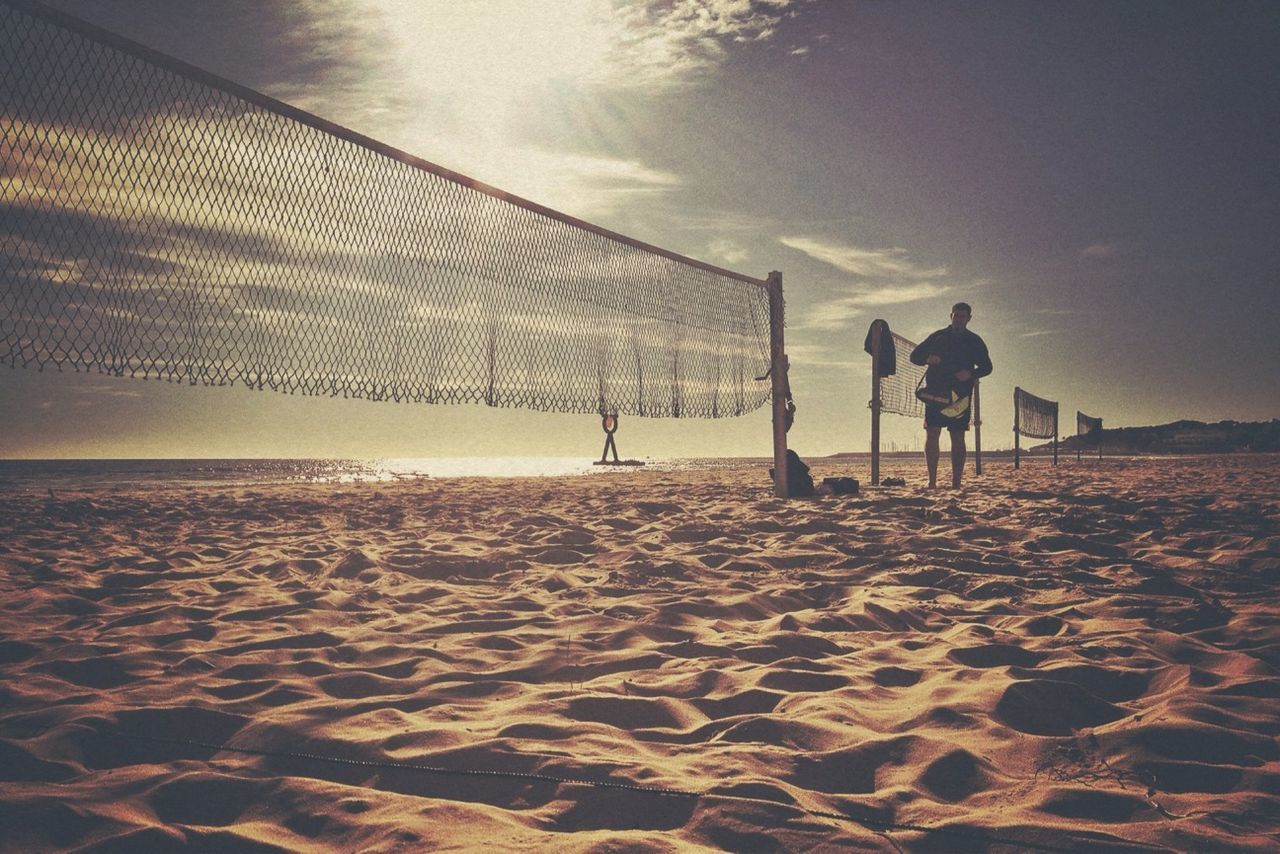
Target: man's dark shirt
959	350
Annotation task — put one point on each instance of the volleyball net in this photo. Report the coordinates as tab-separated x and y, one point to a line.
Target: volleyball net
898	390
162	222
1035	418
1088	432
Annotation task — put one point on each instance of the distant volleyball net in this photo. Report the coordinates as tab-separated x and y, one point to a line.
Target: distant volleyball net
1088	432
160	222
894	380
1035	418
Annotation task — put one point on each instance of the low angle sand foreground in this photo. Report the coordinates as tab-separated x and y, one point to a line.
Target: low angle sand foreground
1080	658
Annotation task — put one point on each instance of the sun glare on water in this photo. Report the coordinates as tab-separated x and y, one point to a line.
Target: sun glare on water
399	469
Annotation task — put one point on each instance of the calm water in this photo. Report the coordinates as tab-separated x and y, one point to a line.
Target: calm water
23	475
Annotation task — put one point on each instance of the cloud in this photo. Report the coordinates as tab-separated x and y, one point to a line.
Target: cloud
869	263
1099	251
884	277
818	356
727	250
667	38
381	47
1037	333
457	83
836	313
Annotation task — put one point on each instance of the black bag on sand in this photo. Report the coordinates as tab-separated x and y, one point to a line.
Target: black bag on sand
841	485
799	482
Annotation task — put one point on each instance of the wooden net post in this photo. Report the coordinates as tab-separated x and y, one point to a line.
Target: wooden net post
875	403
778	373
1055	434
977	429
1016	450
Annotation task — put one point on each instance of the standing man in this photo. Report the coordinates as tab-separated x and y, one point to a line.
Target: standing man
956	358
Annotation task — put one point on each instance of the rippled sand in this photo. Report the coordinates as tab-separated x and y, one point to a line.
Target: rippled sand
1074	659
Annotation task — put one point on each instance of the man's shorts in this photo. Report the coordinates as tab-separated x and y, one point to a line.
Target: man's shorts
933	417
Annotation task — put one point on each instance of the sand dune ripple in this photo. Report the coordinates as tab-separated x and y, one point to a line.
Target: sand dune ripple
1085	658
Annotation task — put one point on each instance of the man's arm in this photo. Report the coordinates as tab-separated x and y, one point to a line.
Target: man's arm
982	360
920	355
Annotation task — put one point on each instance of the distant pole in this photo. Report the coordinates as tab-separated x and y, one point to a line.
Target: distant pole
875	404
977	430
778	373
1016	450
1055	434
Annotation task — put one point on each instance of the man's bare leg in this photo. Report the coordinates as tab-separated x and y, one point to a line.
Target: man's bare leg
958	450
931	453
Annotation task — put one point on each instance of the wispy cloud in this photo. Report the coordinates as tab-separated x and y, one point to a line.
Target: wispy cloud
836	313
870	263
663	42
818	356
882	277
724	249
1099	251
1037	333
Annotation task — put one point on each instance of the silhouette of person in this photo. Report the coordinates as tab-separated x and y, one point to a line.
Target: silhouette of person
956	358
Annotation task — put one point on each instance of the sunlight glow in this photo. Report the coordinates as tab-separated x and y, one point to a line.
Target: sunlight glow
518	94
495	50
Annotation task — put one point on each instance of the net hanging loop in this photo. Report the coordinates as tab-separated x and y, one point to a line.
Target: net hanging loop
609	423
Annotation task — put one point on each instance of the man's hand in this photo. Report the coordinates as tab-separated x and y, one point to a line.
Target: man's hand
933	360
963	375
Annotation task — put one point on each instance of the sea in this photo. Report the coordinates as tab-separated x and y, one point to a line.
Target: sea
40	475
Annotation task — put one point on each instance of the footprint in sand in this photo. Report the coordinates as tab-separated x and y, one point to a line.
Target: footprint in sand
1096	805
15	652
152	736
895	677
1044	707
957	775
996	655
628	713
101	672
22	765
205	798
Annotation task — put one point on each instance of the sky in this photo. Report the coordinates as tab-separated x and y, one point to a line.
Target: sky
1097	179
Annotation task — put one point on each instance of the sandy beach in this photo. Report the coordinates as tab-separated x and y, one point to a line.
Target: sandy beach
1082	658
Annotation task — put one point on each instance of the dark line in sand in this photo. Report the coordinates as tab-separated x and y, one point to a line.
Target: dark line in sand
869	823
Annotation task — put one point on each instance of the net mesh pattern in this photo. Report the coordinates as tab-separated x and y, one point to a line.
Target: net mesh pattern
1087	425
157	222
898	390
1035	416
